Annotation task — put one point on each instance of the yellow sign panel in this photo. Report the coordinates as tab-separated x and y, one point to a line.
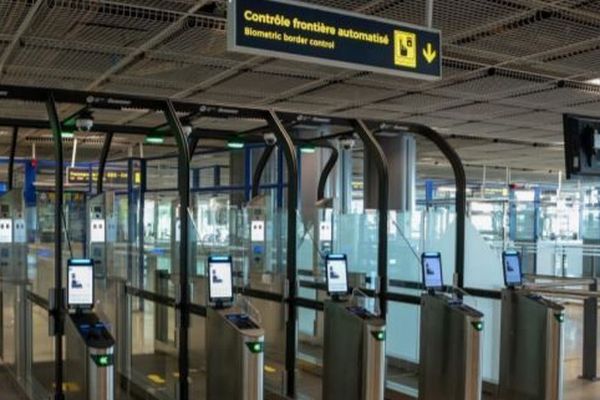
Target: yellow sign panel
405	49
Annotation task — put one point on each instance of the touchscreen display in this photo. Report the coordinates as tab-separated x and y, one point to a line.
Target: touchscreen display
512	268
220	279
337	274
432	271
80	283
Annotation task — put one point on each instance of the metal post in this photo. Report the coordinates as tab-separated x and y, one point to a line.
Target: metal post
429	13
287	147
260	168
374	150
11	160
590	336
57	311
184	294
141	216
102	165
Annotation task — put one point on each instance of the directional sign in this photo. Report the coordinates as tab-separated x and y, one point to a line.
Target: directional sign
82	176
299	31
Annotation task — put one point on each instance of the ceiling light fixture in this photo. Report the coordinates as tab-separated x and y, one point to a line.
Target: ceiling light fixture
154	139
595	81
308	148
235	144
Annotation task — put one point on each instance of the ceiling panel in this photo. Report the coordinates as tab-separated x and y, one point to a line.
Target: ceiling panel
511	68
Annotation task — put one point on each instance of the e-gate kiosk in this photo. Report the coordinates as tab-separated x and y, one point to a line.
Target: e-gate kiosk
531	341
90	346
354	342
234	340
450	351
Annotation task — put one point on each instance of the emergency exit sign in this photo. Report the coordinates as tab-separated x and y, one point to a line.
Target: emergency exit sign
305	32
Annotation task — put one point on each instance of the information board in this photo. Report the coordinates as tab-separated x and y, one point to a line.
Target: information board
305	32
82	176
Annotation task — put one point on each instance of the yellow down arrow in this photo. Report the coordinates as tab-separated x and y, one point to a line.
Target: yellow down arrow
429	53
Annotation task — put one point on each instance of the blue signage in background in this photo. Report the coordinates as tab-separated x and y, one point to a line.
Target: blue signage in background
303	32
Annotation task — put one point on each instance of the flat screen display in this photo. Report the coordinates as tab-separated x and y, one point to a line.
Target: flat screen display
337	274
432	271
511	261
80	283
220	279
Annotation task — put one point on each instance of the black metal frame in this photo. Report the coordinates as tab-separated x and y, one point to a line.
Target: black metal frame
11	161
289	151
327	169
260	168
102	165
460	182
373	149
57	311
183	300
275	125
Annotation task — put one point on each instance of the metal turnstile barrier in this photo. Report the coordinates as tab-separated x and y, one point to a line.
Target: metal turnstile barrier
90	358
531	347
353	353
450	350
235	355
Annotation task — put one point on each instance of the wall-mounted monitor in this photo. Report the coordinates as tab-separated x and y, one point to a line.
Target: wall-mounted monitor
336	266
220	280
80	283
582	145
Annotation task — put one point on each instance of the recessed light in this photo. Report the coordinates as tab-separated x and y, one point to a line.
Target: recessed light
595	81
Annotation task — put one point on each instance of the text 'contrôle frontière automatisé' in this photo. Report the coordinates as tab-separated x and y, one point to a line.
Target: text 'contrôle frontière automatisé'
282	21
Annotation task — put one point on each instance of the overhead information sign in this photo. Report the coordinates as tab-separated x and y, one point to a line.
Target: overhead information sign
82	176
303	32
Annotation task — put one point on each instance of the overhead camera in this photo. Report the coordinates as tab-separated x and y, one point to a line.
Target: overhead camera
84	121
270	139
187	130
347	143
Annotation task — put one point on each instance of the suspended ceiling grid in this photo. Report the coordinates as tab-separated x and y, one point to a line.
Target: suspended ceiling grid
511	67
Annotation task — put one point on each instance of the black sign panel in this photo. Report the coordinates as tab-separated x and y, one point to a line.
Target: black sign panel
78	176
117	177
298	31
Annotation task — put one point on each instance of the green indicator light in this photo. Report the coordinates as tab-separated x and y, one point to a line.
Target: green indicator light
67	135
103	360
256	347
235	144
560	317
155	139
308	149
378	335
478	325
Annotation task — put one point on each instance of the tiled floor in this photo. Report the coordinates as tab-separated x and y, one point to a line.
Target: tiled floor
7	389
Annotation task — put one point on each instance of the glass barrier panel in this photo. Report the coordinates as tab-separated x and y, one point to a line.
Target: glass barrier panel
40	382
309	358
402	348
154	366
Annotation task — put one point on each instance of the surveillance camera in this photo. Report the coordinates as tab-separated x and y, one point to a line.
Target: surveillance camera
347	143
270	139
84	124
187	130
